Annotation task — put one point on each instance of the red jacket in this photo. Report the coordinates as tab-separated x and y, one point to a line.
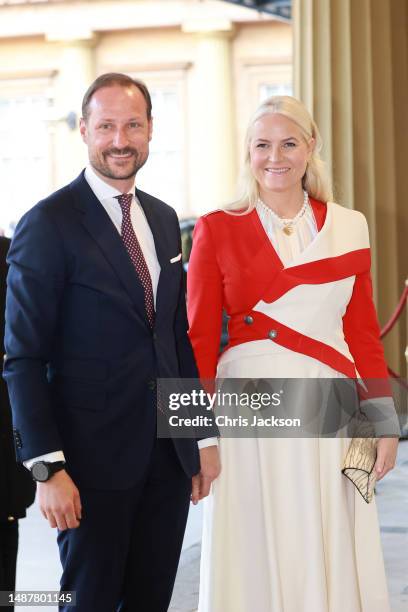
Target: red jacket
233	266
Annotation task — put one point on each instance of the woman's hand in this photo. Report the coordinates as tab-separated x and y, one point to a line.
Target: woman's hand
386	456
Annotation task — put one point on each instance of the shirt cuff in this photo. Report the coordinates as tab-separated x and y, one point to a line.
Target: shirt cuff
207	442
51	457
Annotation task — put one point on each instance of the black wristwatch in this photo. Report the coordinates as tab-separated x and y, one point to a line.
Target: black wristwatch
43	470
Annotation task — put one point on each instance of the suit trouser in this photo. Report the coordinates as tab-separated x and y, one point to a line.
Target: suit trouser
124	555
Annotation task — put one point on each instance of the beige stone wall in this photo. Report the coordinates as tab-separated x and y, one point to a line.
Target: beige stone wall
68	68
217	58
245	54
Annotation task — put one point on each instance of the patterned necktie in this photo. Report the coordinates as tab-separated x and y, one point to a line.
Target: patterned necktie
136	255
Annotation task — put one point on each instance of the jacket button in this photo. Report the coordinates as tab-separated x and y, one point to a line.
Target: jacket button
151	384
248	320
11	519
272	334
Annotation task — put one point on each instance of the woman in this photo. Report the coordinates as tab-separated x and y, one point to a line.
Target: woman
284	530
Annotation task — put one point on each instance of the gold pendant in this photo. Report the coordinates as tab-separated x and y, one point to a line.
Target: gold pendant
288	230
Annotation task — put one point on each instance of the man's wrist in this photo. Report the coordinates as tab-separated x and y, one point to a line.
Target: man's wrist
206	442
42	471
49	457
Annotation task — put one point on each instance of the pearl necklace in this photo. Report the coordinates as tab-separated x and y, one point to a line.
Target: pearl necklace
287	225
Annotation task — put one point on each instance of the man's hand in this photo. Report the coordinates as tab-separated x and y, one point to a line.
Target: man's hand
59	501
210	470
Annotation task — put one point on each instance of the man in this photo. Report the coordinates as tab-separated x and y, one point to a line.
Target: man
95	314
17	488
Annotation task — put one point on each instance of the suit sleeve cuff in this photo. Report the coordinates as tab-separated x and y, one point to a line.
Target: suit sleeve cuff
382	416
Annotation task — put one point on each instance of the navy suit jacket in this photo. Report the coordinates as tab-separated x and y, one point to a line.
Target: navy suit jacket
82	360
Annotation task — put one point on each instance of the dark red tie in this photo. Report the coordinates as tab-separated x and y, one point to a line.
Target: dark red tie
136	255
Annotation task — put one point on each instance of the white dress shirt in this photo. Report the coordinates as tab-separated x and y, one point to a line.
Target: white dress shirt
107	197
106	194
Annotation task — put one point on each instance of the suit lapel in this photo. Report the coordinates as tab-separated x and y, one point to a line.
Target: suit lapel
100	227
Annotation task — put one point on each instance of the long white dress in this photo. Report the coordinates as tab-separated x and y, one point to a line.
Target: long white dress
284	530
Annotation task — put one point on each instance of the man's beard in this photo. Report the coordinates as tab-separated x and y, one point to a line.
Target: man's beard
101	163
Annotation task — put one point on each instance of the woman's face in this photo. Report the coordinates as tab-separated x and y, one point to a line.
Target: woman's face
278	154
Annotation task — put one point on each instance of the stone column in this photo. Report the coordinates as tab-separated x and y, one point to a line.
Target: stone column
351	70
210	121
75	73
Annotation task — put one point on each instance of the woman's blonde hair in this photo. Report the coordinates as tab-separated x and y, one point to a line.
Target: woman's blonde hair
315	181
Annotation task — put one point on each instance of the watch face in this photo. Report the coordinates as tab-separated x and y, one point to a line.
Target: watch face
40	472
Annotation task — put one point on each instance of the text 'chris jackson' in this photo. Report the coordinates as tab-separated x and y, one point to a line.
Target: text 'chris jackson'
225	421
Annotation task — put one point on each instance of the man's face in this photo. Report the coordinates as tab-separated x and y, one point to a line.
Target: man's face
117	132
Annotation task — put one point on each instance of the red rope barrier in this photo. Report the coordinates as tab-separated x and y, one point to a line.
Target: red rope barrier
388	326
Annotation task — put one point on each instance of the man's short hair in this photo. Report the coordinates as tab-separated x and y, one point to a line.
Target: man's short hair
115	78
